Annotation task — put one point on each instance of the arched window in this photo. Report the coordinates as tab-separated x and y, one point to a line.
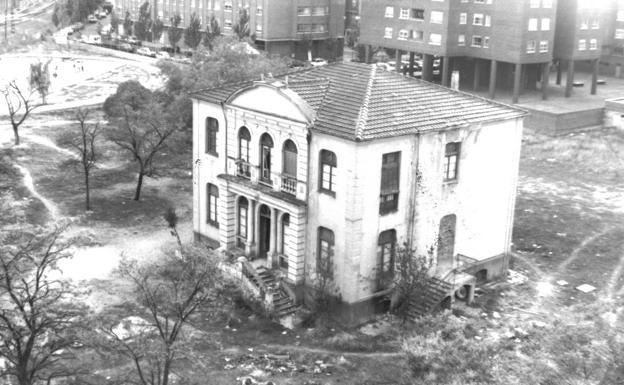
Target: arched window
243	214
289	166
212	194
266	144
212	127
244	137
325	257
327	174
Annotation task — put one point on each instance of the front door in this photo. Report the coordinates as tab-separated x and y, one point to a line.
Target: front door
265	231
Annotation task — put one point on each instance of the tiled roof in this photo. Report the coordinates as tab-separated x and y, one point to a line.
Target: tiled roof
362	102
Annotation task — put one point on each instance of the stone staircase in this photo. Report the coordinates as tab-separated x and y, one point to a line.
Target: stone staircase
283	304
436	290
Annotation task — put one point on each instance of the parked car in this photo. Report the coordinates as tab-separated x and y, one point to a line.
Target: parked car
163	55
183	60
92	19
146	52
77	26
133	40
296	64
319	61
92	39
126	47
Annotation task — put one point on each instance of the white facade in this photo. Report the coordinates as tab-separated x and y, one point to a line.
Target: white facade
481	198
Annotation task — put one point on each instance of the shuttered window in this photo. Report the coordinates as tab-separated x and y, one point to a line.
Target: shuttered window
390	178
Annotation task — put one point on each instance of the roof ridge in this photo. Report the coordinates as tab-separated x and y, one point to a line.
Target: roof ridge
363	113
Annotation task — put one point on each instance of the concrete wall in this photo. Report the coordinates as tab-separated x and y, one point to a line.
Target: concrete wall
565	123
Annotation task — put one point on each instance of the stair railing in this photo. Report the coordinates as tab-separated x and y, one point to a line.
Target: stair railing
250	272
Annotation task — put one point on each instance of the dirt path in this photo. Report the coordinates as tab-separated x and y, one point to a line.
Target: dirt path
29	184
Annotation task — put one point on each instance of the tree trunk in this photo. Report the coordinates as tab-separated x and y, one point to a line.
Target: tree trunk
87	189
166	370
137	194
16	134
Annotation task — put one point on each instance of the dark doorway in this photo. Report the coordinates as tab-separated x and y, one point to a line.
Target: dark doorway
446	242
265	231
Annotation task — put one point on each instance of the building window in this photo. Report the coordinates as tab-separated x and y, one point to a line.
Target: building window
620	15
546	24
227	6
212	195
259	10
318	27
531	46
325	256
212	127
582	45
532	24
259	29
403	34
417	35
547	3
319	11
584	23
389	12
534	3
595	23
243	214
304	27
304	11
266	145
417	13
543	47
227	23
477	19
388	33
437	17
477	41
486	42
390	177
463	17
461	40
244	139
593	44
479	1
435	39
451	161
327	175
386	250
289	156
619	33
488	20
404	13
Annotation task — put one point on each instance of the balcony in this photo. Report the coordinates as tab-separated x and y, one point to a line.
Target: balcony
289	184
243	168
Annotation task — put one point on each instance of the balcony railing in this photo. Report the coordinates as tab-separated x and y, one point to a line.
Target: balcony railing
243	168
289	184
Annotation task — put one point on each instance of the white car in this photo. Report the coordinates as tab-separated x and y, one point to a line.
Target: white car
319	61
146	52
163	55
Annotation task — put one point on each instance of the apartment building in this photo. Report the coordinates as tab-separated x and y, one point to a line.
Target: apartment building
612	59
282	27
340	165
578	37
489	43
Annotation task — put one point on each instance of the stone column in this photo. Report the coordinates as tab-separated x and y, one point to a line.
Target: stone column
477	74
492	90
251	222
569	79
516	86
594	79
545	79
272	240
558	72
397	59
445	71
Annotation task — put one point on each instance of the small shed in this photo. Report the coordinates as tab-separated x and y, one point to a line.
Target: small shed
614	113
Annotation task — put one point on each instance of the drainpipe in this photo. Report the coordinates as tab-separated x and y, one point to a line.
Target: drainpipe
414	198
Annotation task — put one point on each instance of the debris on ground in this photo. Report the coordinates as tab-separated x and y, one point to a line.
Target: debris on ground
516	278
260	367
562	282
585	288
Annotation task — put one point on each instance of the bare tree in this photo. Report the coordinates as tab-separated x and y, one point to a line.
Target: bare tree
168	294
40	78
172	219
19	106
83	140
38	313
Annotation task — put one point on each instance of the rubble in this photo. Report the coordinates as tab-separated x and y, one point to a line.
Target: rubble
585	288
516	278
260	367
562	282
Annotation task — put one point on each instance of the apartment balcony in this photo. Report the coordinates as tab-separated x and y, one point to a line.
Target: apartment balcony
289	184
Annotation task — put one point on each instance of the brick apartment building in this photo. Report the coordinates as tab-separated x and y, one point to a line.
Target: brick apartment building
492	43
612	59
283	27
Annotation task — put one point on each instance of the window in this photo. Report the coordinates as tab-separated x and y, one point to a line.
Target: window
532	24
546	24
593	44
619	33
595	23
417	35
389	12
259	29
289	153
325	257
582	45
451	161
212	127
227	6
390	176
212	195
386	249
477	19
620	15
404	13
259	10
534	3
318	28
531	46
319	11
227	23
479	1
243	214
403	34
388	33
486	42
488	20
461	40
437	17
477	41
418	14
584	23
543	46
266	144
304	27
243	152
547	3
435	39
463	18
327	175
304	11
